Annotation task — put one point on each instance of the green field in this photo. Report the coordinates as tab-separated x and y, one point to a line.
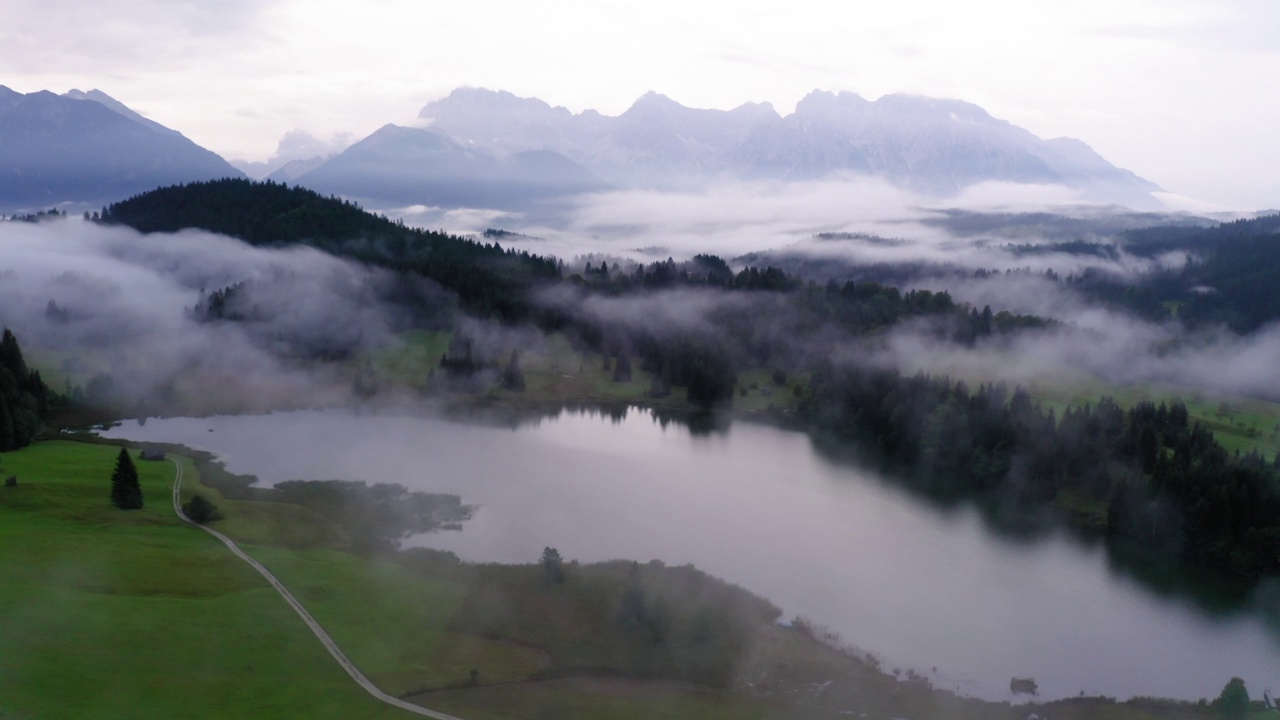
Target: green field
1239	423
557	372
765	395
394	624
107	613
409	359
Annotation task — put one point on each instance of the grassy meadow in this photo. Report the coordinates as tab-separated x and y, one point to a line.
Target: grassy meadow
557	372
106	613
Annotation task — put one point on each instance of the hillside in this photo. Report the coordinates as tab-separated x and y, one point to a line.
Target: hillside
488	279
411	166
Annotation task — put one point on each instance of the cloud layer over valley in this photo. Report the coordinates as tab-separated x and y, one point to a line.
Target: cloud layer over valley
106	300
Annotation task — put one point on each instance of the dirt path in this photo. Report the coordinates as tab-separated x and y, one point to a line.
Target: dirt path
316	629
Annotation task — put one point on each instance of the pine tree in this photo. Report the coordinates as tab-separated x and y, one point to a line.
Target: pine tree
8	441
1233	703
513	376
11	356
553	565
622	370
126	493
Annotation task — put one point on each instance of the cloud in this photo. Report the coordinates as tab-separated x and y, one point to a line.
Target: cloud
125	295
863	220
692	312
1094	344
296	144
1013	197
127	301
43	37
302	145
728	219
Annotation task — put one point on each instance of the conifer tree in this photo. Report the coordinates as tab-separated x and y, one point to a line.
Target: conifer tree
126	493
7	441
11	356
513	376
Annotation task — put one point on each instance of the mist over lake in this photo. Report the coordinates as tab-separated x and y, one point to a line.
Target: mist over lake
918	585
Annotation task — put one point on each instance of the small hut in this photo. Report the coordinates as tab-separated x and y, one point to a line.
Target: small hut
152	455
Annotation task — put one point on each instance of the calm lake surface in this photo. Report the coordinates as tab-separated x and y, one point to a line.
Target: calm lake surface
920	586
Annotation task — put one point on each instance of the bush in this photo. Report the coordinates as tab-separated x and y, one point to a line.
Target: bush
201	510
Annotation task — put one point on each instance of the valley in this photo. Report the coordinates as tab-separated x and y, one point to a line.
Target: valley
581	360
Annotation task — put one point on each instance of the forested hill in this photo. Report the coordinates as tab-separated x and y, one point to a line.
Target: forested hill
1150	241
1232	279
490	280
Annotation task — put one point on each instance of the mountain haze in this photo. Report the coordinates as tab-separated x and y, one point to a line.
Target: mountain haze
937	146
88	148
486	149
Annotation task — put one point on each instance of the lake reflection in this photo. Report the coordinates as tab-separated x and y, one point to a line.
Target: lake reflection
920	586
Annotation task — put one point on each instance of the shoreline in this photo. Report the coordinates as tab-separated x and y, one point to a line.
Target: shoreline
588	409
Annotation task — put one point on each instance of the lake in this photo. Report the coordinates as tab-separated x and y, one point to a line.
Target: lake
919	585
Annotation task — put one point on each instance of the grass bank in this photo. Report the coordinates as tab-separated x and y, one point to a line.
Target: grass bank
107	613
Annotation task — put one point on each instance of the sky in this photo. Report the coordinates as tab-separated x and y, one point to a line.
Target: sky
1183	92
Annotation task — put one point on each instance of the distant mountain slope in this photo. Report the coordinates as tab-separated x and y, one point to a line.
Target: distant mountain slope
411	166
104	99
89	148
932	145
937	146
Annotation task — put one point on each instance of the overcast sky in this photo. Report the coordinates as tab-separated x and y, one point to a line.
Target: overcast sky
1184	92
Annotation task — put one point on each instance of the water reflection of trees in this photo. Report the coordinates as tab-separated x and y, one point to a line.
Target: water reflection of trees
697	422
1210	591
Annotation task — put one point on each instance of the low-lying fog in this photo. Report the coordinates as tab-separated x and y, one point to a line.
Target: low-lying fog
125	295
86	300
847	222
735	218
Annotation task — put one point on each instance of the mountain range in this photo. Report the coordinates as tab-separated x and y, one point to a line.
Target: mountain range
926	144
87	148
484	148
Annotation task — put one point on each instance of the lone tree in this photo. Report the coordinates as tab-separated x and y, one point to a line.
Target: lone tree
513	376
126	493
1233	703
553	565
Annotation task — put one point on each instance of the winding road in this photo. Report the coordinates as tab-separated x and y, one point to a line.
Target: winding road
316	629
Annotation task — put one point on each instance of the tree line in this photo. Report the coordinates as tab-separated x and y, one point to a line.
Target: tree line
1231	276
24	398
1166	483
